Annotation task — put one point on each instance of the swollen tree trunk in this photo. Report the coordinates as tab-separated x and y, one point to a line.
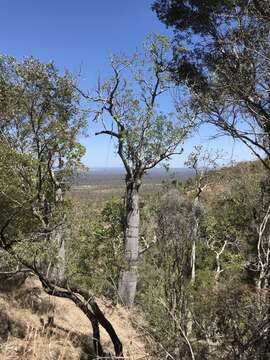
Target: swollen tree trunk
128	279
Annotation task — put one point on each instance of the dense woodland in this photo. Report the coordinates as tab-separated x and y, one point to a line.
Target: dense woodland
188	260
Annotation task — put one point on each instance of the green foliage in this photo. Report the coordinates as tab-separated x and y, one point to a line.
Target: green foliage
223	309
145	134
95	247
40	119
43	115
231	316
221	52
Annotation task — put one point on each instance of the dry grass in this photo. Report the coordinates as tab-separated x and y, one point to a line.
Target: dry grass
37	346
71	333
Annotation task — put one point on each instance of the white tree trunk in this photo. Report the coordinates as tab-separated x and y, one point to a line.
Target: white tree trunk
193	277
58	270
193	262
128	278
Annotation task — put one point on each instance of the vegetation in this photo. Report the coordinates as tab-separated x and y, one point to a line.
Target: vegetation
145	135
190	260
221	53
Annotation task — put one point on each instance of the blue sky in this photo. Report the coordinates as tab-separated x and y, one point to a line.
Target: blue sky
80	36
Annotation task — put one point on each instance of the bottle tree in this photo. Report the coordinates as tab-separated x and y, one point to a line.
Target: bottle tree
128	107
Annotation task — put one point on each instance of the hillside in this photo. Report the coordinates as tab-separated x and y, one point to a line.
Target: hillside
24	335
150	331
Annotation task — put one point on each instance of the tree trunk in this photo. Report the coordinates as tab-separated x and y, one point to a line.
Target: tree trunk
86	302
218	268
193	262
59	269
193	277
195	236
59	239
128	278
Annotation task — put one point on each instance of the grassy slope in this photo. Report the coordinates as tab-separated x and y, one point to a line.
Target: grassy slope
26	310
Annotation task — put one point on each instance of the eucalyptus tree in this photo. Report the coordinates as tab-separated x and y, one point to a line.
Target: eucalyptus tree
40	120
202	162
128	107
222	53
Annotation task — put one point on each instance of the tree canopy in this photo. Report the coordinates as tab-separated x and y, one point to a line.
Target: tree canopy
221	52
39	124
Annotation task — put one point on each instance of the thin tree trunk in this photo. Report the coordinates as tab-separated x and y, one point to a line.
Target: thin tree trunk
193	277
59	239
195	236
218	268
128	279
193	262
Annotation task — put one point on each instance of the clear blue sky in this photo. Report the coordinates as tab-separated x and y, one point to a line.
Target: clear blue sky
82	34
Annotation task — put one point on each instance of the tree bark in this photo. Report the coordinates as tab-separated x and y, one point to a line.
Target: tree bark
193	262
128	278
57	270
59	239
